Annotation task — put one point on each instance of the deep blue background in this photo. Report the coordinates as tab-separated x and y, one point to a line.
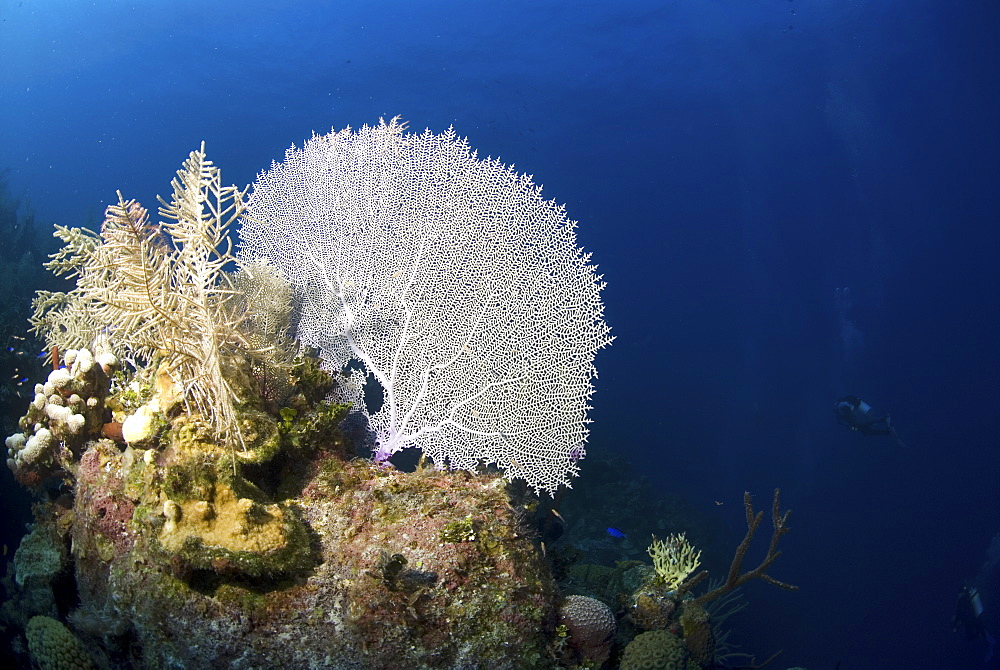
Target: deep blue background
732	164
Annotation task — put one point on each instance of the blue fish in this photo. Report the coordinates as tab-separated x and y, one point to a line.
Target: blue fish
614	532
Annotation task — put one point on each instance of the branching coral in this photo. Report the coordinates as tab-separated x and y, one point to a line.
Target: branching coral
674	559
735	578
158	291
61	318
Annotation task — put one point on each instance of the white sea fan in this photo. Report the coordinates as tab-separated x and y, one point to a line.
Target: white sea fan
451	281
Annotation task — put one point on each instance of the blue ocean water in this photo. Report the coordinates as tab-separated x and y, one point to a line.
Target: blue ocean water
790	200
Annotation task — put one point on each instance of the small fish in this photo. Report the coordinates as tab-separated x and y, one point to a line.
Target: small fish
614	532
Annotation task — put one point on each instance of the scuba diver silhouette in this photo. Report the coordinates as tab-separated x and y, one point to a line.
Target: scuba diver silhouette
858	415
976	611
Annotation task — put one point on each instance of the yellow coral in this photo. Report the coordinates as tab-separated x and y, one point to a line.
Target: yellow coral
54	647
226	521
674	559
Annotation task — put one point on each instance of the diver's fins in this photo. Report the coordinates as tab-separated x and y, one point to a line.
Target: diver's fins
892	431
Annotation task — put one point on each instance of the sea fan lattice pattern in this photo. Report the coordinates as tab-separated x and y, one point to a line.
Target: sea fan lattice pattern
451	281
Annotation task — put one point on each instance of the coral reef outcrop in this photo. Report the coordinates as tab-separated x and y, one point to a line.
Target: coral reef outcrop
384	582
181	555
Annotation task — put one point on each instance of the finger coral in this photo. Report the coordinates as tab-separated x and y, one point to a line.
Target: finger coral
674	559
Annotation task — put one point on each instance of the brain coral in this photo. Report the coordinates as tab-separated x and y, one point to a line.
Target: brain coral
592	627
655	650
55	647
